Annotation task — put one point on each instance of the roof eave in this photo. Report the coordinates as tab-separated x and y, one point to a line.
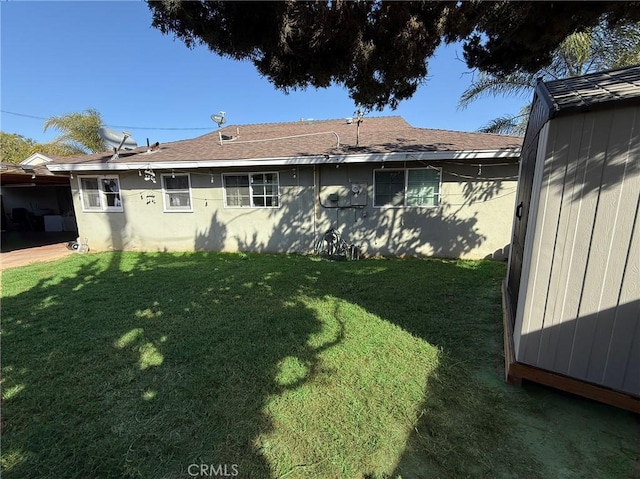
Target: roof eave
460	155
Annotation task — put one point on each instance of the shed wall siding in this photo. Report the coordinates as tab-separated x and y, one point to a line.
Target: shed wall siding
582	302
473	221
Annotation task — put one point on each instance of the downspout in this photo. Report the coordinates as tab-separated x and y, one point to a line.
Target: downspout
315	205
296	173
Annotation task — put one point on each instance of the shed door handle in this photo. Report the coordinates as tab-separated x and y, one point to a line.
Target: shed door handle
519	211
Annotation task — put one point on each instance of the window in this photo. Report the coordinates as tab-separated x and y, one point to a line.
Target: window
414	187
236	189
176	192
264	190
389	187
254	190
423	187
100	193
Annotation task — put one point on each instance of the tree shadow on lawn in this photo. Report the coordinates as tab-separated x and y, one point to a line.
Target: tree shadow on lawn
140	365
470	423
111	373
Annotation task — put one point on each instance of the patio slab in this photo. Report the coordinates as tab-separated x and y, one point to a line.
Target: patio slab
23	257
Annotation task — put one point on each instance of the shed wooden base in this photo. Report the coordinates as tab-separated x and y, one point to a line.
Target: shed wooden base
515	372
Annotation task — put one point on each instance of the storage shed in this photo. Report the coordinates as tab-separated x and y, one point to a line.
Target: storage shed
572	293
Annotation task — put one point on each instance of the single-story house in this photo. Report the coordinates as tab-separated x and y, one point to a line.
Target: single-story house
386	186
572	295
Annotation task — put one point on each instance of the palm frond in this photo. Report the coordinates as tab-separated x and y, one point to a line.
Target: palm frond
574	52
79	131
515	84
587	51
506	125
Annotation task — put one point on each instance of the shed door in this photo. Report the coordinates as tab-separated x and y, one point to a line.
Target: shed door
523	200
533	153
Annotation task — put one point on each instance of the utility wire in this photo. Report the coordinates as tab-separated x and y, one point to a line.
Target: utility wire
113	126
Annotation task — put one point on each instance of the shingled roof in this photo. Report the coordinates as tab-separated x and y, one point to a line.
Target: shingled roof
593	90
275	141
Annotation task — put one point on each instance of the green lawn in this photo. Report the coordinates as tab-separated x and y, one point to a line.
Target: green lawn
265	366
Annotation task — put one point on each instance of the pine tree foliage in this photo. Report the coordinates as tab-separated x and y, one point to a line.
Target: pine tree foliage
379	50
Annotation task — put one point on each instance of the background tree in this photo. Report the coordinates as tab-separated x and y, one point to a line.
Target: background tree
379	50
15	148
595	49
79	131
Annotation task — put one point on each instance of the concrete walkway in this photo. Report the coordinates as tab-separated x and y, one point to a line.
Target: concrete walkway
22	257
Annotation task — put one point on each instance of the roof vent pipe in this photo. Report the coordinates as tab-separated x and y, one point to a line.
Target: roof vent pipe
359	119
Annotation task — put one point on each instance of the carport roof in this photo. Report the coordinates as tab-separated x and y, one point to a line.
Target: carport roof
12	174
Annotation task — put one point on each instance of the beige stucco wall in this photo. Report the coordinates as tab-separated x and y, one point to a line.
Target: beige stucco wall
473	220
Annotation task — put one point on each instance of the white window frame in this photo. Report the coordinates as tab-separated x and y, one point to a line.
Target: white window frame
102	194
174	209
406	185
251	202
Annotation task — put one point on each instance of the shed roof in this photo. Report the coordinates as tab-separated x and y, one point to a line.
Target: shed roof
593	90
300	140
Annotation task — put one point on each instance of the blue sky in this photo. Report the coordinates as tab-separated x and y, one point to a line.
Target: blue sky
63	57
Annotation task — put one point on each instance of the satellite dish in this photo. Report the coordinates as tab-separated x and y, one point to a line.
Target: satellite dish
219	118
117	141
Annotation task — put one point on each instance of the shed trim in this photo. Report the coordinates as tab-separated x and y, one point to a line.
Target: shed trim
529	242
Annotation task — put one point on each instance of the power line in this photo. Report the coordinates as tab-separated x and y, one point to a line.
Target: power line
114	126
22	114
